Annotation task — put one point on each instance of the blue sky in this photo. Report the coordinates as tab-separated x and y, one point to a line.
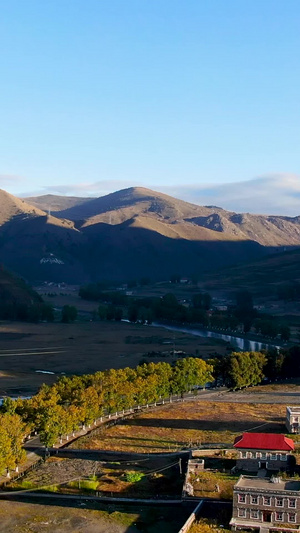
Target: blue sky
96	95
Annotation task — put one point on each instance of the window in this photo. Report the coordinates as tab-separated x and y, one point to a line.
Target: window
273	456
249	455
242	512
283	457
267	500
292	503
279	502
244	455
292	517
254	499
241	498
264	456
258	454
254	514
278	517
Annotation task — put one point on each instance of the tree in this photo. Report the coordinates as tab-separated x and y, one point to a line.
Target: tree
102	312
285	332
245	311
47	312
189	373
133	313
275	362
13	431
68	314
246	368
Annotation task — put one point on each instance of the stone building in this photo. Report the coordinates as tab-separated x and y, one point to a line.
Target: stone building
293	419
266	505
269	451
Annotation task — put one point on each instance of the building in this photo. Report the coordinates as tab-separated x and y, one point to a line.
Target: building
266	505
293	419
195	465
270	451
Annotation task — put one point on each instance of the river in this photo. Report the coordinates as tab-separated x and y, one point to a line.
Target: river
239	343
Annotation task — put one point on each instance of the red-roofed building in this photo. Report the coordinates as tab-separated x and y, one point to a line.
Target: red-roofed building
263	450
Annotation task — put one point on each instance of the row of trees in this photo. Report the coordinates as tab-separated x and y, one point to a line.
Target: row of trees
26	312
77	401
148	309
72	402
242	369
239	369
35	312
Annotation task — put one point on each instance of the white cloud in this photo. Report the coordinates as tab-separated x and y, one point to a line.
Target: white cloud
277	194
9	179
98	188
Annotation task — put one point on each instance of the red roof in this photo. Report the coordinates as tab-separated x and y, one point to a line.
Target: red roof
264	441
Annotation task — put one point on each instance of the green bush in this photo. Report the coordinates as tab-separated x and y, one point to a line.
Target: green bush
134	477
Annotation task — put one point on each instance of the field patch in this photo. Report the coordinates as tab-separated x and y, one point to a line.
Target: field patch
184	425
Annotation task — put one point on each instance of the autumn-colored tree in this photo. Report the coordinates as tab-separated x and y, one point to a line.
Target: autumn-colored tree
189	373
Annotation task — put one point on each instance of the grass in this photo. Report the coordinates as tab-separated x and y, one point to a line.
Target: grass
29	485
105	345
209	484
207	526
133	477
185	425
84	484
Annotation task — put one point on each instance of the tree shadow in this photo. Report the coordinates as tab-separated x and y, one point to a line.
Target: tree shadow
206	424
165	518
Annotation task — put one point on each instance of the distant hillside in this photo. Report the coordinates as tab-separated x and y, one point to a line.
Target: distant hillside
132	233
15	290
53	203
263	276
28	235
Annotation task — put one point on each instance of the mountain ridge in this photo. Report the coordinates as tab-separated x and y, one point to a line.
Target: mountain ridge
132	233
117	207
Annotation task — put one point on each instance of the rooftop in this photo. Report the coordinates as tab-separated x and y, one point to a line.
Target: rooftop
274	483
264	441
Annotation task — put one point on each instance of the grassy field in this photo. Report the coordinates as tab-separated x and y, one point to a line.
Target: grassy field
25	517
84	347
192	423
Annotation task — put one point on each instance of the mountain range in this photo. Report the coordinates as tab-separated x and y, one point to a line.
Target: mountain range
131	233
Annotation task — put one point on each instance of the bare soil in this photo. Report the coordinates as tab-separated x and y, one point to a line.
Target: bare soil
24	517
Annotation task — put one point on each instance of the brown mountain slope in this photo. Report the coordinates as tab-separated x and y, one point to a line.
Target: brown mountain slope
134	202
30	240
127	203
10	206
53	202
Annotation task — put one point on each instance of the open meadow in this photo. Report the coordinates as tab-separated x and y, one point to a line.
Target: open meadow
85	347
184	425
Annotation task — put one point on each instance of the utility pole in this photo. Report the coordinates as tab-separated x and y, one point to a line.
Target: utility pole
180	467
